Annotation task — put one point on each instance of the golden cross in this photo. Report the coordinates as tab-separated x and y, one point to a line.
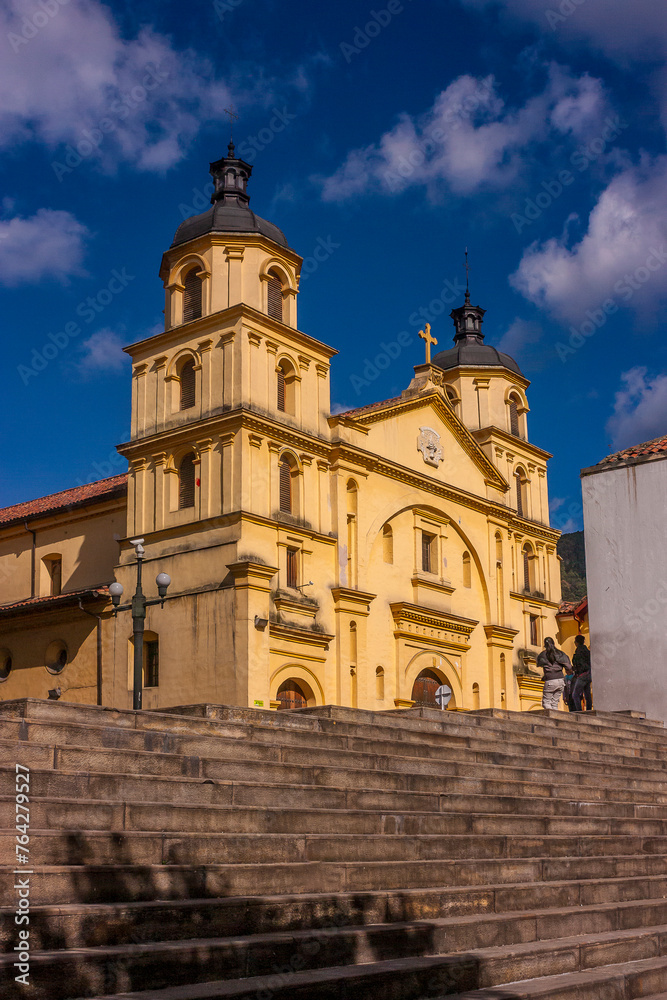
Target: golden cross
429	340
232	118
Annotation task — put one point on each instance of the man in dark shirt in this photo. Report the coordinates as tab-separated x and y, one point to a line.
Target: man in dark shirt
581	664
552	661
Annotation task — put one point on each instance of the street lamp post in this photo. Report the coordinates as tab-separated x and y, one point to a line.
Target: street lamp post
138	609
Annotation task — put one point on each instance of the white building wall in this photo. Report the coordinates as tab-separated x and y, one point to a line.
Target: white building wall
625	527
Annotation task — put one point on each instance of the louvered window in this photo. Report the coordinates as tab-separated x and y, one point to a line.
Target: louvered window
188	383
514	417
275	296
519	494
285	487
281	389
292	563
186	483
526	569
192	294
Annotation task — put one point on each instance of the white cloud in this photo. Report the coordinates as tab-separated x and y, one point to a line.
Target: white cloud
640	409
468	140
619	28
139	99
48	244
102	352
520	333
628	223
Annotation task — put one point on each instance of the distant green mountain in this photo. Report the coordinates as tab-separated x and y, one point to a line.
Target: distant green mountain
573	567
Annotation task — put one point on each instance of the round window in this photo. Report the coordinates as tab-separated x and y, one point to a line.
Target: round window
5	664
56	657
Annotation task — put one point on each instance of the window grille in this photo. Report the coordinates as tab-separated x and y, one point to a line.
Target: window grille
285	487
519	494
275	297
188	385
281	389
192	295
514	417
427	547
186	483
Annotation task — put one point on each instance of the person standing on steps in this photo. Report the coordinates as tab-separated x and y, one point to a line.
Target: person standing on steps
581	664
552	661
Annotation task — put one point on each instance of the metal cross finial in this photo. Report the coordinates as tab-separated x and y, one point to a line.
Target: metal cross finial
467	267
232	118
429	340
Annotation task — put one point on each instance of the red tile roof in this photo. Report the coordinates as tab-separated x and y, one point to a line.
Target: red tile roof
39	603
367	409
658	446
103	489
579	609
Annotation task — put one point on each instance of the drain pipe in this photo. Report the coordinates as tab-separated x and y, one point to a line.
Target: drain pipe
99	650
32	558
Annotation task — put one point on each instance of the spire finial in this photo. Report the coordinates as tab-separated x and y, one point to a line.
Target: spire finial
232	118
467	267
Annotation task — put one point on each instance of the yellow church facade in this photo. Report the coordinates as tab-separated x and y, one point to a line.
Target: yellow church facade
364	558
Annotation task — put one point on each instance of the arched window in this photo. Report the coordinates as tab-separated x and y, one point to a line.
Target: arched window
527	564
275	295
186	482
453	398
53	565
379	683
353	644
192	295
188	378
521	493
514	403
286	388
475	698
286	492
388	544
467	572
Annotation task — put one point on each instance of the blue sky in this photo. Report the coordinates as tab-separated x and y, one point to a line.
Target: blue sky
385	137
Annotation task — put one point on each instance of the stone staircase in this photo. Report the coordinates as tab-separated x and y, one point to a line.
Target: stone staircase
330	853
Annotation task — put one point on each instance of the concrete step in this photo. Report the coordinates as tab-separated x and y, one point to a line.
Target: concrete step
460	917
170	739
97	971
379	735
418	978
283	911
100	847
125	881
408	774
459	815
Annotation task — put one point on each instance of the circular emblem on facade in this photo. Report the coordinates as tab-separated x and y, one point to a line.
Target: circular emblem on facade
428	443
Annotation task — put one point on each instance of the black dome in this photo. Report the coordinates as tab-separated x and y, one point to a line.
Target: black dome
229	212
469	348
474	353
226	218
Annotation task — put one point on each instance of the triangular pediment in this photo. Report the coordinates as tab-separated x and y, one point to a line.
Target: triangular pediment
423	413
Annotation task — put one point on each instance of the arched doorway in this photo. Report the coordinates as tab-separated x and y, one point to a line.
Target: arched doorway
290	695
424	688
